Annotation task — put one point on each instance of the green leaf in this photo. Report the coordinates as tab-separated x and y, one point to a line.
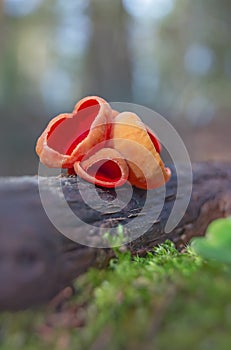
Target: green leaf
217	242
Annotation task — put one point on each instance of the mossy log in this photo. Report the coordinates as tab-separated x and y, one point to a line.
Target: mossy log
37	261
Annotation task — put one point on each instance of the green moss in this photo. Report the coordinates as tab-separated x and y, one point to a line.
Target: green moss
166	300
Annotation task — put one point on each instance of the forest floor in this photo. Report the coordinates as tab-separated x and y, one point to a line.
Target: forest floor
166	300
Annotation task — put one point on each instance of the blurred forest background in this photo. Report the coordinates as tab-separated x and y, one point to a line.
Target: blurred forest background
173	56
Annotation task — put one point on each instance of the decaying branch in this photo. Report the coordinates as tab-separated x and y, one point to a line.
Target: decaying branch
36	261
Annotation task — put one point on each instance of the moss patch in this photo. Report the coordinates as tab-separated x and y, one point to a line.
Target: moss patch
166	300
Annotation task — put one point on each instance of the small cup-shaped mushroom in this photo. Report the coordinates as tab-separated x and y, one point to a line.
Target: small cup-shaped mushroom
105	168
68	137
131	138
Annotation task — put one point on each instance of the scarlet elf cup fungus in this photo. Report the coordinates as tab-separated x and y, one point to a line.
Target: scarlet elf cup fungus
69	136
140	148
103	146
104	168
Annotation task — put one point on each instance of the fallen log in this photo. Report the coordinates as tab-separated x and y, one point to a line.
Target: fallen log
37	261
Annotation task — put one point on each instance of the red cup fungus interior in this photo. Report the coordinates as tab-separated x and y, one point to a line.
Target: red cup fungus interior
155	141
67	133
105	171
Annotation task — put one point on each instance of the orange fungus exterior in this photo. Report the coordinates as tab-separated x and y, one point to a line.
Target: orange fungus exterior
103	146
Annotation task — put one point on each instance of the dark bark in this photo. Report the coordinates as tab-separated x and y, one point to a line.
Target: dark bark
36	261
